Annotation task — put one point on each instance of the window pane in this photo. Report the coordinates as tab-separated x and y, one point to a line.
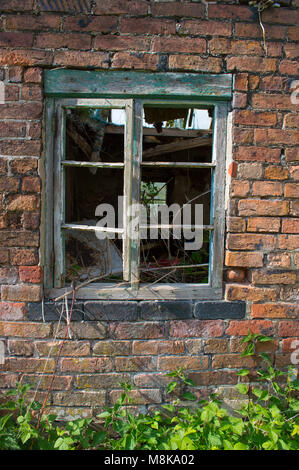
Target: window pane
177	134
88	257
95	135
87	188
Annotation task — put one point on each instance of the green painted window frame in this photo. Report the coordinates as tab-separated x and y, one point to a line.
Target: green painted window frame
66	88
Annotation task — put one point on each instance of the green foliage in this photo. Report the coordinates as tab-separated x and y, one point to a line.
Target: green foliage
269	419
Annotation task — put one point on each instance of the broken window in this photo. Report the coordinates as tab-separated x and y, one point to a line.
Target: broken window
135	205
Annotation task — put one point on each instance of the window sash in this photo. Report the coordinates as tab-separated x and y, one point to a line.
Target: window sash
132	168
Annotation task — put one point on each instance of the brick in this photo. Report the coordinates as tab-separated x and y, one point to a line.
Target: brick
8	275
291	50
241	82
22	110
196	63
288	242
55	311
273	172
263	224
150	380
118	7
4	256
278	260
165	310
86	398
293	33
194	346
87	364
241	328
273	277
213	310
152	25
25	257
193	10
234	12
12	129
291	190
250	170
237	47
98	24
290	225
292	154
253	30
233	361
31	22
14	5
273	83
294	172
21	293
236	224
34	130
12	311
241	292
138	397
18	347
205	28
235	274
11	39
101	381
43	381
196	328
179	44
213	378
70	348
288	67
240	100
187	362
135	60
112	348
251	64
282	16
274	311
276	136
135	364
255	118
8	184
25	57
294	210
288	328
31	184
259	154
20	148
23	165
122	43
25	329
243	136
22	203
289	345
31	274
250	241
15	74
31	364
250	207
81	59
105	310
33	75
240	188
142	330
86	330
245	259
65	40
267	188
237	346
31	93
216	346
272	101
8	380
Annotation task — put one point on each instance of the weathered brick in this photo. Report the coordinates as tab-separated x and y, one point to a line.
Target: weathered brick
241	82
235	12
11	39
101	381
8	184
30	365
235	274
240	188
294	172
61	382
135	60
81	59
12	310
22	203
205	28
250	170
274	311
288	328
24	257
249	292
241	328
17	347
25	57
31	184
251	64
114	310
86	330
257	207
158	348
255	118
263	224
138	397
276	136
273	172
19	147
236	224
135	364
272	83
279	260
87	364
31	22
213	378
63	40
179	44
272	101
290	225
187	362
253	30
243	136
196	328
288	67
112	348
233	361
122	43
25	329
193	10
273	277
152	25
23	165
267	188
67	348
293	33
33	75
31	92
142	330
194	346
216	346
250	241
288	242
242	258
257	154
118	7
294	210
291	190
79	398
196	63
12	129
22	293
165	310
14	5
292	154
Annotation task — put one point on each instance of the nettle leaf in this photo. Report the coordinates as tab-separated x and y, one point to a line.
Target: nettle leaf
189	396
243	372
243	388
171	386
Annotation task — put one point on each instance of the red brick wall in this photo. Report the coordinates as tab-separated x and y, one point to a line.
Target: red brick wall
262	239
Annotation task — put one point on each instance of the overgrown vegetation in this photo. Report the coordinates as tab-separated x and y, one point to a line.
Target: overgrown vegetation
269	419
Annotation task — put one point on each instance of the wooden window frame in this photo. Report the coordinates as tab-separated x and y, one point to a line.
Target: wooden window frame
66	88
